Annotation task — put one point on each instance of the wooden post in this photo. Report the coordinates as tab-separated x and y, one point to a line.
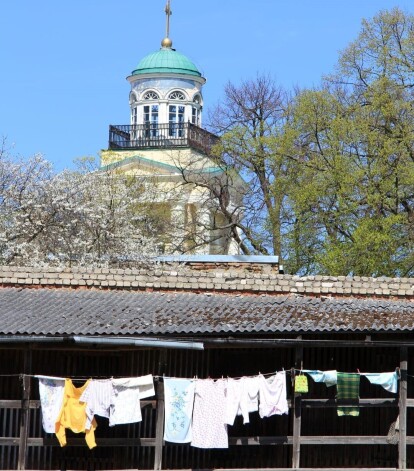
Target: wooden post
159	426
402	444
25	411
297	413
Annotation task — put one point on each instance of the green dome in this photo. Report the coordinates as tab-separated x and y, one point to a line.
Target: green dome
166	60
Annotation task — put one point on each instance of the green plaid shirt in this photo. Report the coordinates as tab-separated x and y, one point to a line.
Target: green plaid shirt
348	388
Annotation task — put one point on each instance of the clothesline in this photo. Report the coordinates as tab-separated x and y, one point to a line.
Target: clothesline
156	377
290	371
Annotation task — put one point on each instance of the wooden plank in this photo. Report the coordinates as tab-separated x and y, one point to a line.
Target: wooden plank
159	427
233	441
287	469
306	403
297	412
80	442
367	402
17	404
270	469
25	412
402	444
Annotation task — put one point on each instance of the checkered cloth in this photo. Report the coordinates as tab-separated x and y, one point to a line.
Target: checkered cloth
348	388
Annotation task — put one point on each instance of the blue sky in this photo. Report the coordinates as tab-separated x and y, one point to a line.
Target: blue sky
64	64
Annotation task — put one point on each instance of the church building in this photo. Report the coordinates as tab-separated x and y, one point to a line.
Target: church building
166	145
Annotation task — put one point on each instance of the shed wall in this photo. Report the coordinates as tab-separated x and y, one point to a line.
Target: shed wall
130	454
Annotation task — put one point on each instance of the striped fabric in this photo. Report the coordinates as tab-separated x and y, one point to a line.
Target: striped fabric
348	388
98	397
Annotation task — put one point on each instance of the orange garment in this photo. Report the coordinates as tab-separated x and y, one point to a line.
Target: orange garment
72	415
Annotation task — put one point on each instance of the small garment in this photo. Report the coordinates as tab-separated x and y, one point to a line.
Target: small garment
179	400
328	377
389	381
98	396
348	388
393	436
209	427
51	399
272	395
241	398
301	384
73	415
125	404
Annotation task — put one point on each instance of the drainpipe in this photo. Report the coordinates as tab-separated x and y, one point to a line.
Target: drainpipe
150	342
116	341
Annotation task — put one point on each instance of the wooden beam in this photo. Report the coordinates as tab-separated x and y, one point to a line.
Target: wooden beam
25	410
297	411
306	403
233	441
35	404
367	402
159	426
402	444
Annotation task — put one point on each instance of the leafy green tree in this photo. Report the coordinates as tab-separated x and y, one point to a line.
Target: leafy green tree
352	142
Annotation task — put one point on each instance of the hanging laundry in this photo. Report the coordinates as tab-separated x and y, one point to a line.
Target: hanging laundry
389	381
125	404
348	388
241	398
179	401
98	396
73	415
328	377
51	399
272	395
209	428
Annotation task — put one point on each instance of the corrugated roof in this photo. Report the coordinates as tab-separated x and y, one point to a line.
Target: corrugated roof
93	312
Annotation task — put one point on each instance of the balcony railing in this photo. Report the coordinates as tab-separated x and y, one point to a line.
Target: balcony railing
155	136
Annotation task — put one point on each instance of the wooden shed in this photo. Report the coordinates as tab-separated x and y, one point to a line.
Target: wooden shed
215	319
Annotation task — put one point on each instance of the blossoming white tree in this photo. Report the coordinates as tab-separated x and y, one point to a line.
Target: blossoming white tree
74	217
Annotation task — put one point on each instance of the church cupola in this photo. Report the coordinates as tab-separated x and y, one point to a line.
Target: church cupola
166	90
166	103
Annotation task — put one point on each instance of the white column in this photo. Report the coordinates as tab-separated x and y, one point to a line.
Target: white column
178	227
203	230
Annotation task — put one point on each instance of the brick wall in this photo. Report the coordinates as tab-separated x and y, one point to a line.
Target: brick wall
178	277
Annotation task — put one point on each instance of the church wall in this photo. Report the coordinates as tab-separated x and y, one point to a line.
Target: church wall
180	158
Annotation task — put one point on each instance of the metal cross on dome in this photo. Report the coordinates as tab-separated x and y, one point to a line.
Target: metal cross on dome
168	12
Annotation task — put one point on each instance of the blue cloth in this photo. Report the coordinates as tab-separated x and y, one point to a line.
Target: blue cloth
179	401
327	377
389	381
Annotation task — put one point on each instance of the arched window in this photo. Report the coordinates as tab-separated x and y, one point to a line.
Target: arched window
134	115
151	120
177	96
176	120
151	96
196	110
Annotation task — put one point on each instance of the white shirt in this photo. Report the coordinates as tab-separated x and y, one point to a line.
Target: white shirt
241	398
272	395
125	404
